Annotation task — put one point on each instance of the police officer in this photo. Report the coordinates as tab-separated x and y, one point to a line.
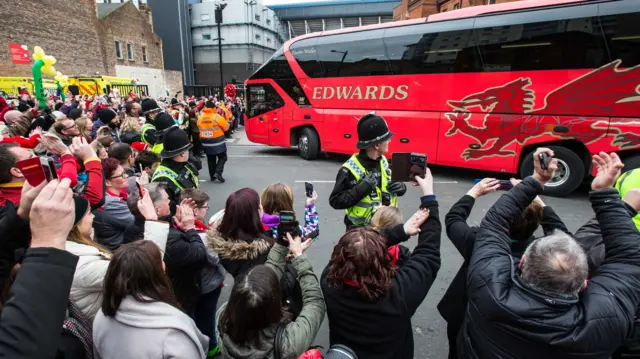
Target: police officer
364	181
212	127
150	110
175	170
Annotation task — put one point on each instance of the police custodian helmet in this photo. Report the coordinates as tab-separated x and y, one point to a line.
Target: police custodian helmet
175	142
372	129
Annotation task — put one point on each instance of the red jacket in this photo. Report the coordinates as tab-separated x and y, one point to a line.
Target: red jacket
24	142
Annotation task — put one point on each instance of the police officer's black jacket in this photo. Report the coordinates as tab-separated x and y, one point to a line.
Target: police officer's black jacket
454	302
506	318
347	192
184	178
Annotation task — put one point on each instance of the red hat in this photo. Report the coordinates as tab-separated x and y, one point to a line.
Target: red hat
139	146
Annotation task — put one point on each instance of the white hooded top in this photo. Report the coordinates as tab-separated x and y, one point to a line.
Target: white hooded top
147	331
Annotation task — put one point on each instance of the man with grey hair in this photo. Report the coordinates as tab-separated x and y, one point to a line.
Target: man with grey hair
542	307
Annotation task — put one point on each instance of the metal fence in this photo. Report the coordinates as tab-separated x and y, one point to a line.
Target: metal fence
205	90
140	90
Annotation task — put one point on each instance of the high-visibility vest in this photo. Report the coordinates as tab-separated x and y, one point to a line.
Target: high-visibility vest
166	172
629	180
158	147
211	125
361	213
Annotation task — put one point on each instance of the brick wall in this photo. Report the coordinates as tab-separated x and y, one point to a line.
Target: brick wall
130	26
65	29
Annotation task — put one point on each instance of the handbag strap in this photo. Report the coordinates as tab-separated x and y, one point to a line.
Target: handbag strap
277	344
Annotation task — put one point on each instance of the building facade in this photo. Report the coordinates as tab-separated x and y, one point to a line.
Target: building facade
415	9
249	33
171	21
304	18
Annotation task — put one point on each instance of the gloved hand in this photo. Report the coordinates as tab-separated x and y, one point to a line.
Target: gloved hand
396	187
371	179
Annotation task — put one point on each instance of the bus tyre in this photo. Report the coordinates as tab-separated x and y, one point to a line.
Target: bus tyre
309	144
631	163
569	175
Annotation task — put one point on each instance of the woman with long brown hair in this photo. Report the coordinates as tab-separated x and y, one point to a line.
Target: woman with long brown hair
140	316
85	125
370	301
278	197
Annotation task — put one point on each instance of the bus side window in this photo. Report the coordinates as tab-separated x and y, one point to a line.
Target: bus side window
622	33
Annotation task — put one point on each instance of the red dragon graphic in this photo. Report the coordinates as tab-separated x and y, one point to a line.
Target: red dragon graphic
603	91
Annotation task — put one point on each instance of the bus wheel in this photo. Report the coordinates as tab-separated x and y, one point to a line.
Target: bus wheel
631	162
309	144
568	177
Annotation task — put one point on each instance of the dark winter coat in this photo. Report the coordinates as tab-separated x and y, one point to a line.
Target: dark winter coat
31	322
382	329
506	318
453	304
347	192
130	137
185	257
236	255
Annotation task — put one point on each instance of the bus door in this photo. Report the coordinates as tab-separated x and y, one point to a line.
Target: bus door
265	107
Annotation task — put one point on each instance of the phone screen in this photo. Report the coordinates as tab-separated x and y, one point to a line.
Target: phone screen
417	165
49	169
287	219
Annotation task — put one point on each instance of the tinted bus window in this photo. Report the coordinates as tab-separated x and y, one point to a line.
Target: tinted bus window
549	45
431	48
262	98
623	37
304	51
360	53
294	90
276	67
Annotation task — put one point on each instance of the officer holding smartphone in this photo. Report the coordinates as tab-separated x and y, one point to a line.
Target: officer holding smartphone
364	182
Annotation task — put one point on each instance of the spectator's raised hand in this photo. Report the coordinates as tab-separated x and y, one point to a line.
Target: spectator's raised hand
184	218
633	198
36	131
311	200
144	177
426	183
82	149
29	194
295	245
544	175
52	215
412	226
53	144
487	185
145	206
609	169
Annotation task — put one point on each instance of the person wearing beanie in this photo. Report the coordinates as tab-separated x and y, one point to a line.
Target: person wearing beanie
75	114
150	110
212	127
364	182
107	117
174	169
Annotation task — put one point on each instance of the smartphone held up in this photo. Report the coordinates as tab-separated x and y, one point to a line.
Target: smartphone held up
37	170
405	166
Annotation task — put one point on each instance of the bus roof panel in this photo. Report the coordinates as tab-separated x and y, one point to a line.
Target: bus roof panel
488	9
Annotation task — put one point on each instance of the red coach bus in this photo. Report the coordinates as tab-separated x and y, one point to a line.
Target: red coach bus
479	87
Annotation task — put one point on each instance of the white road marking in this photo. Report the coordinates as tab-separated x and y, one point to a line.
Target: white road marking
254	156
316	181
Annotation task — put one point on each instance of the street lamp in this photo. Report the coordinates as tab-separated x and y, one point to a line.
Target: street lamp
218	14
344	55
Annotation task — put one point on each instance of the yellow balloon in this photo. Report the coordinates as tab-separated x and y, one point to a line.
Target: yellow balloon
38	53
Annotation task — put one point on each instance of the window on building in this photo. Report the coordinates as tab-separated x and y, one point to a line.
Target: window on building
205	17
130	52
206	36
268	39
118	50
558	45
145	58
257	17
268	21
456	6
491	2
444	10
257	36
